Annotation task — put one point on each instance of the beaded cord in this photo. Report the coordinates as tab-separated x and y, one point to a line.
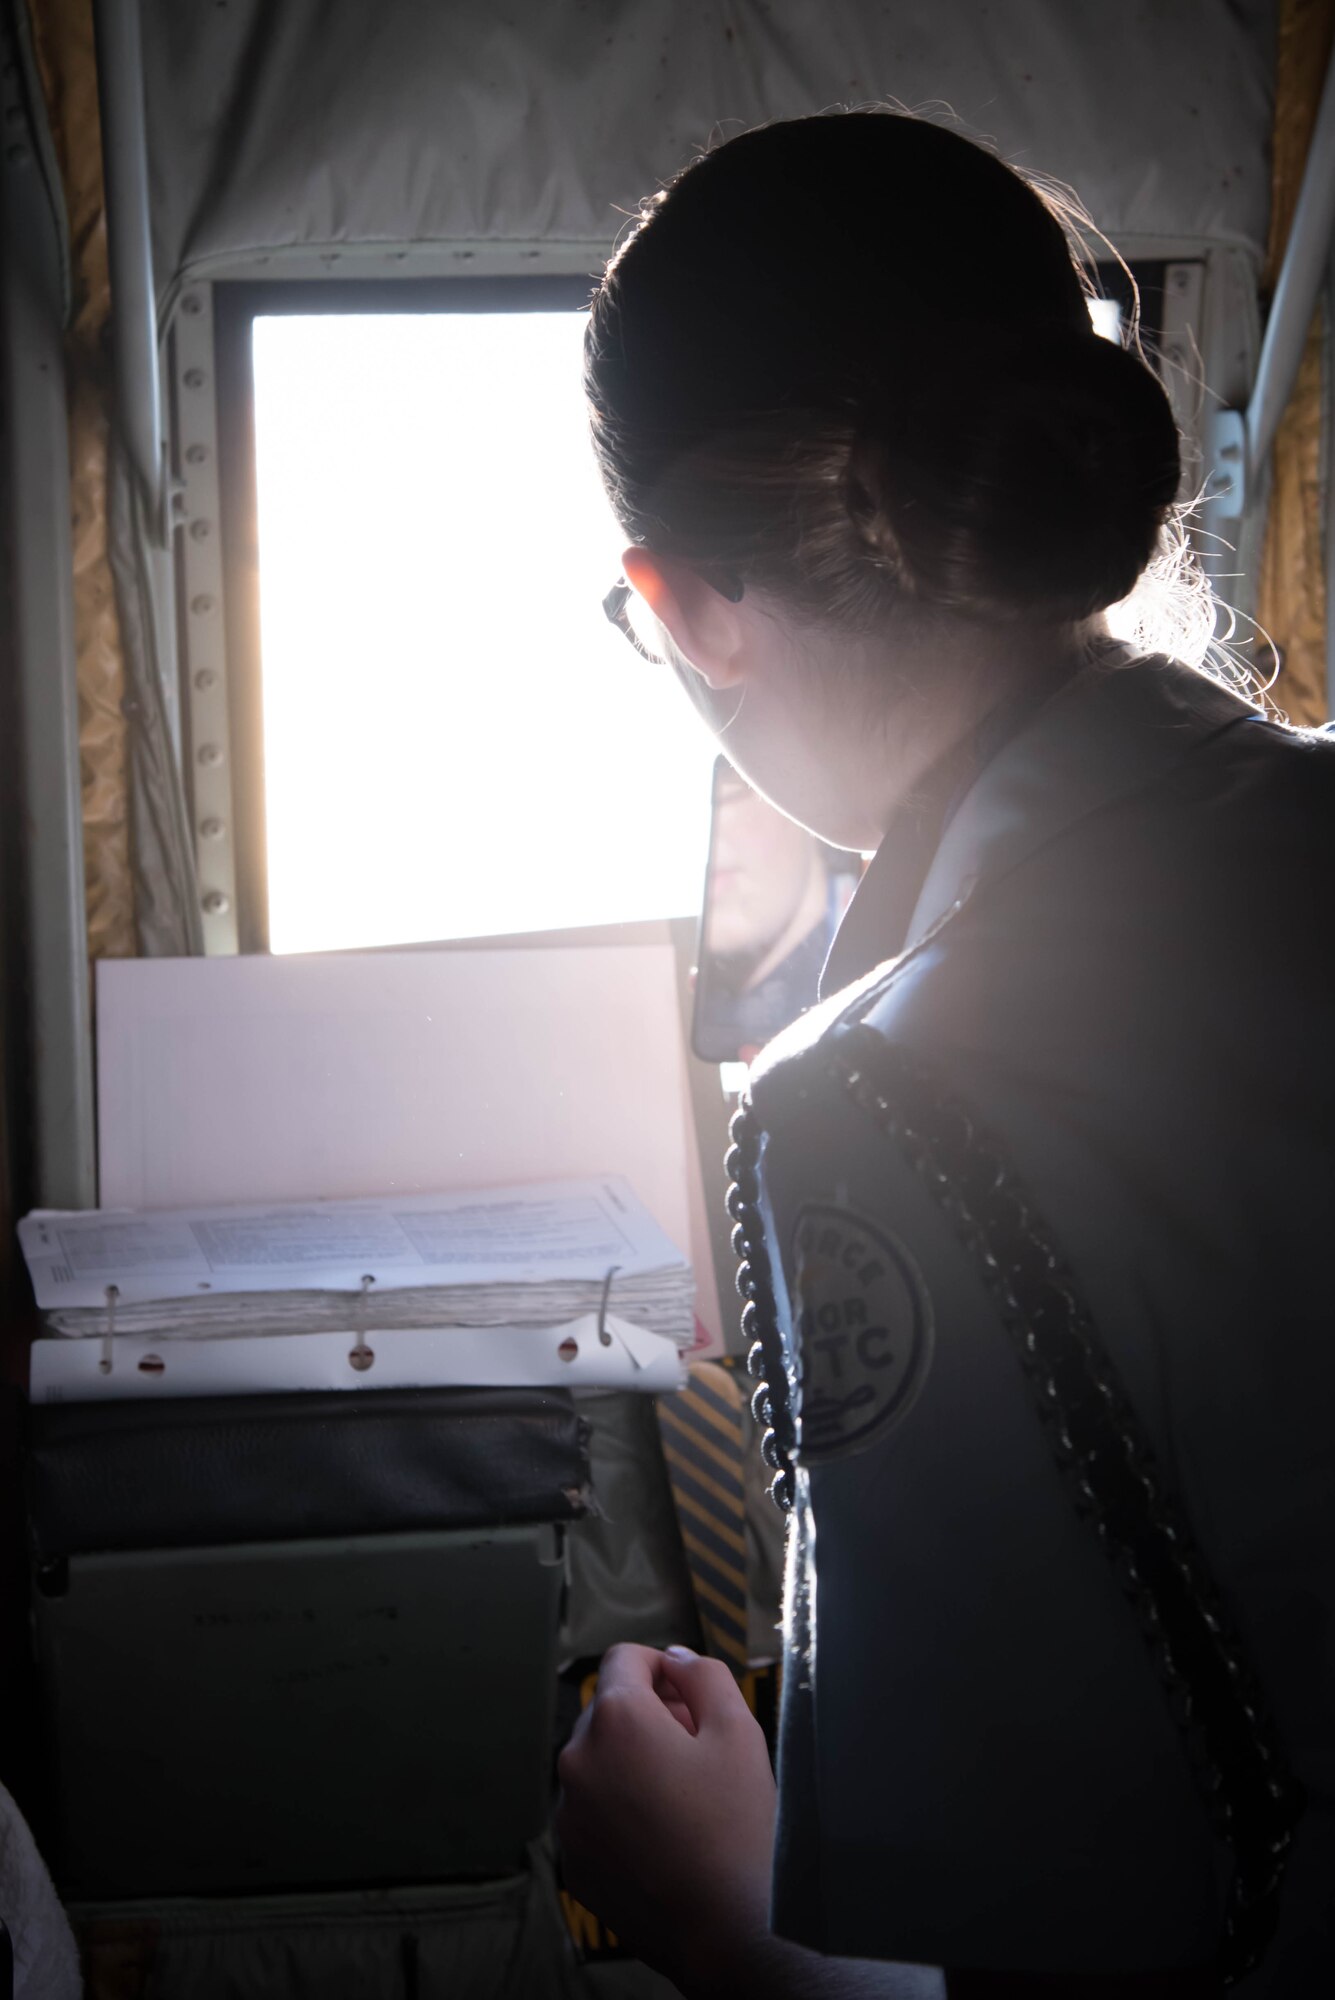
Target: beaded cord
772	1399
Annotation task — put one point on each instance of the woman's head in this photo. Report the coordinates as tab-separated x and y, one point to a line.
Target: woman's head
847	361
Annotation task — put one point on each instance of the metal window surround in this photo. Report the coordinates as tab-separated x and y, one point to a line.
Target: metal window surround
1205	347
219	666
1179	346
203	627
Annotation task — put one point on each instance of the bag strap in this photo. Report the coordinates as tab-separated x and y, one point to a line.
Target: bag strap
1097	1441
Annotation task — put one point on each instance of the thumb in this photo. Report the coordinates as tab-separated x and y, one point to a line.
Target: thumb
706	1687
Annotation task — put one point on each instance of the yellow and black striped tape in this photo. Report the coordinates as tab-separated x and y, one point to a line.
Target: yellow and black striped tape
703	1447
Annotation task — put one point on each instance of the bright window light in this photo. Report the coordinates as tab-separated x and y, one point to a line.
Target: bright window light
456	742
1106	316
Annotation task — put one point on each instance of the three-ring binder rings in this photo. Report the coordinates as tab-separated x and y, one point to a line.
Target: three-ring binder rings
565	1283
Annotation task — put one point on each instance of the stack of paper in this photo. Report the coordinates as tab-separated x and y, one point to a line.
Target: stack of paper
563	1283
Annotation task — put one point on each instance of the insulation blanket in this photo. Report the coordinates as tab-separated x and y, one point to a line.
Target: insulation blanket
327	123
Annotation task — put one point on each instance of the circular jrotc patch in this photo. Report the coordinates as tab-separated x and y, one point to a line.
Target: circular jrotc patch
864	1330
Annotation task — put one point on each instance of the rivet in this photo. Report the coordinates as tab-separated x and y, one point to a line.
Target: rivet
200	530
210	754
194	378
205	679
211	829
196	454
202	603
192	304
216	904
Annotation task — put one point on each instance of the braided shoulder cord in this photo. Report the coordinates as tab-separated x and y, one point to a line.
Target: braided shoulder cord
772	1401
1097	1442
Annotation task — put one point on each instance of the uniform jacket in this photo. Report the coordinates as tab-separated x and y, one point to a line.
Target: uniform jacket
1123	957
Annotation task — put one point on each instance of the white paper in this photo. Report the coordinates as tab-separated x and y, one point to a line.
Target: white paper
571	1356
258	1079
505	1236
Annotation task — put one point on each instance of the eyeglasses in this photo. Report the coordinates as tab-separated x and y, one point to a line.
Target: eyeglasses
616	613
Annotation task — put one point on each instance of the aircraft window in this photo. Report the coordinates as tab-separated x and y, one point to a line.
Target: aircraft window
455	741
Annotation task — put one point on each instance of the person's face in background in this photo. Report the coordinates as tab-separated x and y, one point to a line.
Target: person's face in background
767	884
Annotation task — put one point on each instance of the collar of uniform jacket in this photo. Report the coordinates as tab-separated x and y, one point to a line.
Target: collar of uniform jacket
1109	730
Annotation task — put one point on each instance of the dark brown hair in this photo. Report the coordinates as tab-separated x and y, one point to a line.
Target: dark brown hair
849	359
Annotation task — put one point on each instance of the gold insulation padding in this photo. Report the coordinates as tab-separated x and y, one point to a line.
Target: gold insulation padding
1292	605
1291	595
63	41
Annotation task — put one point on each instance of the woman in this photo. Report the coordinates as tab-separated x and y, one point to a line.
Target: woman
1033	1207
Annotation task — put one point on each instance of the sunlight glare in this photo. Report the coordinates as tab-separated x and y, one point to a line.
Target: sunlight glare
1106	318
456	742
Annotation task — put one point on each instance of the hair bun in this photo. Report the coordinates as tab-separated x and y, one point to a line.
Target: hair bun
1037	487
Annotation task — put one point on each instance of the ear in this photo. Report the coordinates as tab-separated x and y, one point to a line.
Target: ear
702	625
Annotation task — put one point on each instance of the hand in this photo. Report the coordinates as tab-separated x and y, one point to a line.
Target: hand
666	1816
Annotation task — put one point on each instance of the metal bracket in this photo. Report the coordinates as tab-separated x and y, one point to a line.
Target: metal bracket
1226	487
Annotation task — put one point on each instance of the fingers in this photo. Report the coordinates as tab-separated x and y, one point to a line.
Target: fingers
634	1677
630	1668
626	1702
666	1690
706	1688
680	1679
638	1686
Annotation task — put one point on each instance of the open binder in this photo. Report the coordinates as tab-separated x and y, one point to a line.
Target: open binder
313	1166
